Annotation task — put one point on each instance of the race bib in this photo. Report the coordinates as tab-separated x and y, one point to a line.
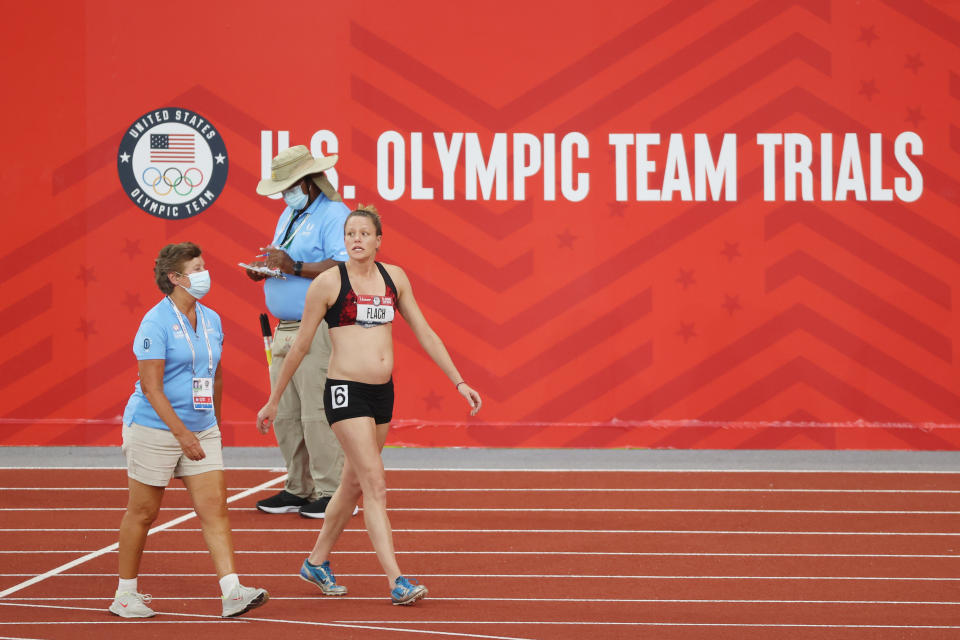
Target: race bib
203	394
374	310
339	396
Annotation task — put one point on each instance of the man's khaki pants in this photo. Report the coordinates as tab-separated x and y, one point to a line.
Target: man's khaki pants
310	449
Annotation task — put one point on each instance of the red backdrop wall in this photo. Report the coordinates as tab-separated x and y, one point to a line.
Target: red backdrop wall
747	323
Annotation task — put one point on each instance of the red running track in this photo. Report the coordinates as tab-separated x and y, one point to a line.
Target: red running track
540	555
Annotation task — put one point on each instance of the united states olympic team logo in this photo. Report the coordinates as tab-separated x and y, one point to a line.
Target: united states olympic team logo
172	163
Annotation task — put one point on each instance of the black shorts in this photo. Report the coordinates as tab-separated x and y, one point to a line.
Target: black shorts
345	399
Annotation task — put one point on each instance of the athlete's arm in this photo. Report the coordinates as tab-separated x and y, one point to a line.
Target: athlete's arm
315	307
428	338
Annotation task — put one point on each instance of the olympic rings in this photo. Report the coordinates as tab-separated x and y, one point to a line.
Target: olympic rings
179	176
152	177
152	183
183	193
193	184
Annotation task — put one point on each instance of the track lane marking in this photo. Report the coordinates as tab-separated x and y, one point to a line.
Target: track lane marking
522	576
219	620
113	547
583	470
565	510
508	599
560	490
670	531
667	624
666	554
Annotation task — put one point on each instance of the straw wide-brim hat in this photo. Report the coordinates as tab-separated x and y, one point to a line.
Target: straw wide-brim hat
292	164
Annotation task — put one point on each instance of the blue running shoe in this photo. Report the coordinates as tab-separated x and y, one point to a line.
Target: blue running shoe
407	592
323	577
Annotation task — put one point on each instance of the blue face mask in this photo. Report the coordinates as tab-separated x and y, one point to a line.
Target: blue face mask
295	198
199	284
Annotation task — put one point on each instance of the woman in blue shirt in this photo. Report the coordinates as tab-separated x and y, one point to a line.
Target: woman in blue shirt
171	429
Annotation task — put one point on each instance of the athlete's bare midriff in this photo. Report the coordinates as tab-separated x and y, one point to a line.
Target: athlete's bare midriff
361	354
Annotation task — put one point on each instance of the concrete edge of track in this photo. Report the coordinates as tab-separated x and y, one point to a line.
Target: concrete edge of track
541	459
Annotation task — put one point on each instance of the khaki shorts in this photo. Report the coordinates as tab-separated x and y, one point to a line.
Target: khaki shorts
154	455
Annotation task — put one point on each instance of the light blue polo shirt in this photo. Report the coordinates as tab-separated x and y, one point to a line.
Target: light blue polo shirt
161	338
319	236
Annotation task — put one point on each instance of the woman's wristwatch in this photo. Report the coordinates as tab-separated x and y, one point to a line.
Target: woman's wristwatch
297	267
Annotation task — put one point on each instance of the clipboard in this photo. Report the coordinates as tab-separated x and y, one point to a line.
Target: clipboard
270	273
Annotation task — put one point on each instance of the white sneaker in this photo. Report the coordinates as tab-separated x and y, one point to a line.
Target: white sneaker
243	599
132	605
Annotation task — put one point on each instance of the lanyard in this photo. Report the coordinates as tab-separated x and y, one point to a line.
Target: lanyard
287	241
203	325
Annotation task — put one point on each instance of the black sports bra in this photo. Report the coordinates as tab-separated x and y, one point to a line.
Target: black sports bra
364	310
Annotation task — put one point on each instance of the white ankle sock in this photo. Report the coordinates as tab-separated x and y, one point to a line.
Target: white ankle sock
127	586
228	583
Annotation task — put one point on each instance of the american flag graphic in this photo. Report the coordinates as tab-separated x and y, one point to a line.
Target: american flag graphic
171	147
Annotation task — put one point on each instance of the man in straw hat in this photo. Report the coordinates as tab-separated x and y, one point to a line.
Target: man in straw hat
308	240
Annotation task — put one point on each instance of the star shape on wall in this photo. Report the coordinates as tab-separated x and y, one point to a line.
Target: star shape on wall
131	248
868	35
617	209
86	275
913	63
566	239
731	250
86	328
685	279
686	331
915	117
131	301
433	400
731	303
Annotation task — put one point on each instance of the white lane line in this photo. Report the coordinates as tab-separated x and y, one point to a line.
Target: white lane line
697	510
218	620
124	467
460	552
636	531
559	490
525	576
652	554
506	599
678	471
579	532
313	532
675	490
642	510
619	472
113	547
167	490
87	509
664	624
557	510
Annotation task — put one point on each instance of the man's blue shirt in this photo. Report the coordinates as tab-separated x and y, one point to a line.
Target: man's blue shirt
317	236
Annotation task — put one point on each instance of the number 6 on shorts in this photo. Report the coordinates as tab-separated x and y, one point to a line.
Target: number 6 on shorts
338	393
